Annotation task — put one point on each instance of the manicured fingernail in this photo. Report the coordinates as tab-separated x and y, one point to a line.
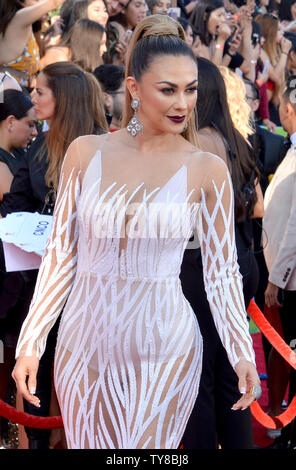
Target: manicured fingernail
243	390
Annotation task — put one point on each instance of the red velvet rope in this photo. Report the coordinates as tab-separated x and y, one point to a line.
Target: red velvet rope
267	421
30	421
286	352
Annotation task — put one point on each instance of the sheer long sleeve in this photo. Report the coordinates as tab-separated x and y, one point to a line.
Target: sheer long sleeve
57	271
223	281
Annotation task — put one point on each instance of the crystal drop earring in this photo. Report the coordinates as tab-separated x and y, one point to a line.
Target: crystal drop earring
134	126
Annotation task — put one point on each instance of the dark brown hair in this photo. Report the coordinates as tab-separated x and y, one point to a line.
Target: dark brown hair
84	40
79	110
8	9
213	111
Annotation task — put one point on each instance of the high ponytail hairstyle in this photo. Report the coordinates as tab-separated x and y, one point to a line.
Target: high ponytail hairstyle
156	35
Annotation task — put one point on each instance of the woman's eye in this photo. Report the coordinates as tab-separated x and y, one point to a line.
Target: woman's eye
168	91
191	90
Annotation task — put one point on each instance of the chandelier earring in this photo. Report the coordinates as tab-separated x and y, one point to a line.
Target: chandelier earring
134	126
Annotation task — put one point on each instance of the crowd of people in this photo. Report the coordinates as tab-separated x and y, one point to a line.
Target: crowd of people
81	76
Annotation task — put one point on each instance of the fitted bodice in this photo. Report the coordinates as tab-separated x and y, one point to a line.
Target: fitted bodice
126	239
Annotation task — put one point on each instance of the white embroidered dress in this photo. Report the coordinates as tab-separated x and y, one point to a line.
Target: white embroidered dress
129	351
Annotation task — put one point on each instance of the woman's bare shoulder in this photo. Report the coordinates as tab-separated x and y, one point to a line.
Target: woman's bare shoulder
89	144
203	162
55	54
209	140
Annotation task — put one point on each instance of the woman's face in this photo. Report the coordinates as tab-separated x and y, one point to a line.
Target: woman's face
161	7
167	93
23	130
43	99
279	35
97	11
293	11
103	47
135	12
216	18
196	46
189	36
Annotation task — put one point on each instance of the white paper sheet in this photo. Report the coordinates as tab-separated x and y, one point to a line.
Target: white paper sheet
24	236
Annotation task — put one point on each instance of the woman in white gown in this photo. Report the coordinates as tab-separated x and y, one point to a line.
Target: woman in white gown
129	350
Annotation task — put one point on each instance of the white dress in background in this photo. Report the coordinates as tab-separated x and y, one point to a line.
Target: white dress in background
129	351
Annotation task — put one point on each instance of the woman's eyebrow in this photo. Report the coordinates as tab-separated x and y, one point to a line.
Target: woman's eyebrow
173	84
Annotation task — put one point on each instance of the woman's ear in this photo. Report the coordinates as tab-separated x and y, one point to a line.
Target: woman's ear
10	120
132	86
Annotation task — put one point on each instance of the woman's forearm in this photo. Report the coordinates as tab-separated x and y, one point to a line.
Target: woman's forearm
27	16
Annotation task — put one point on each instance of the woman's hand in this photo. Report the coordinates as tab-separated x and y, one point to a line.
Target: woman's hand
247	378
27	367
224	31
271	126
286	45
235	43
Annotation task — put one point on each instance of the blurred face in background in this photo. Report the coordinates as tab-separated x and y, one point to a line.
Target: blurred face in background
97	11
293	11
118	98
196	46
216	18
135	12
43	99
161	7
279	35
251	98
116	6
103	46
189	36
23	130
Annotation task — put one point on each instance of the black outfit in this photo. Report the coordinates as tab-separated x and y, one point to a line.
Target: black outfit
28	189
28	193
11	284
236	58
212	421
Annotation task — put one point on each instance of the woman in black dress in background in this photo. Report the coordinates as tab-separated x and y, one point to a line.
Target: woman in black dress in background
61	88
17	129
217	422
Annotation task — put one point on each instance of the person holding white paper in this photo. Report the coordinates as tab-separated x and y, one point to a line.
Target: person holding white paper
17	129
61	87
